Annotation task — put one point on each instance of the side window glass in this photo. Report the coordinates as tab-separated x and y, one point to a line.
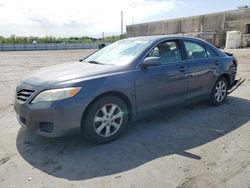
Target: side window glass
168	52
211	53
195	51
154	52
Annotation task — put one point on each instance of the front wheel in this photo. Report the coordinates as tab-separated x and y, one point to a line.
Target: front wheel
219	92
105	120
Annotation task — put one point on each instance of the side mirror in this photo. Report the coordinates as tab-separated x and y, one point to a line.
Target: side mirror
150	61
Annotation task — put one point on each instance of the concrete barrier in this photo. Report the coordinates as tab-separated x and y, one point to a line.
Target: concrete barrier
49	46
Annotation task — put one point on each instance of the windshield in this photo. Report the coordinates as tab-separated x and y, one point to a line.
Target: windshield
119	53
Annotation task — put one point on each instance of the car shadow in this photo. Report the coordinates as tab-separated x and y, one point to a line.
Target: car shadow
159	135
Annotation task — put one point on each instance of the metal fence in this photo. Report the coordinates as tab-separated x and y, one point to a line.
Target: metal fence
50	46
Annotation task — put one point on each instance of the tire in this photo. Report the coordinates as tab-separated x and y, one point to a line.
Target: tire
105	120
219	92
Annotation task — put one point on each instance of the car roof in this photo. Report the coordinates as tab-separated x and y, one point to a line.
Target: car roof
158	38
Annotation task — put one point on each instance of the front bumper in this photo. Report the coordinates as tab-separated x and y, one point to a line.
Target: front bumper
51	119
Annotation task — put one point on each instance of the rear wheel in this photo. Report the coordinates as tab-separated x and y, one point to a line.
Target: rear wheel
219	92
105	120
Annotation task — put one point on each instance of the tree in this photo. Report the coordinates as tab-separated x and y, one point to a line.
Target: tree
49	39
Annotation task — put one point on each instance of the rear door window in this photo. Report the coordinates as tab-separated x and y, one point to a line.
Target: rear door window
195	50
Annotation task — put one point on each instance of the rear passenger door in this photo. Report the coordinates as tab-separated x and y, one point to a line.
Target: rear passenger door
201	61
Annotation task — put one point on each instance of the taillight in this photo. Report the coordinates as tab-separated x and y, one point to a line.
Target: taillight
235	62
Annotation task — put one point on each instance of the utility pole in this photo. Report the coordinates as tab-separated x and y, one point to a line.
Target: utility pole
201	31
121	22
103	37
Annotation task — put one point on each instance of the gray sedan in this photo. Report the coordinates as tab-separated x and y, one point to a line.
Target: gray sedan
128	79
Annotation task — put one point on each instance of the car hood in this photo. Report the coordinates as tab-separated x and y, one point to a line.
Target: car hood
67	72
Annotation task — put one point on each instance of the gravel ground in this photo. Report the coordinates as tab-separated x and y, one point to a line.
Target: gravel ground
196	146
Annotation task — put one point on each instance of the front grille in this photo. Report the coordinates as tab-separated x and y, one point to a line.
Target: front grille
24	94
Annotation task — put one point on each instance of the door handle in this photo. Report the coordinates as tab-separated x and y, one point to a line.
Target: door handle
217	63
183	69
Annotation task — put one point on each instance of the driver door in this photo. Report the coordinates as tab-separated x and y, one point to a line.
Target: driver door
165	84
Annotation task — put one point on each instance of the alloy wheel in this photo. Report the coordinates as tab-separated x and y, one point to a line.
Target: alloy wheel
108	120
220	91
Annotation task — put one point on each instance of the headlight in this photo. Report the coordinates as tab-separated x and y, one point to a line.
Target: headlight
56	94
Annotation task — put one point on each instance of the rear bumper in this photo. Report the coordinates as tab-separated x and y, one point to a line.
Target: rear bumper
51	119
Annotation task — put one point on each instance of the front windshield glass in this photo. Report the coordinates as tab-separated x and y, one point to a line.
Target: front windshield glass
119	53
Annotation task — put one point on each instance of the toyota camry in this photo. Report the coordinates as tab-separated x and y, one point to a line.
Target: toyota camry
98	95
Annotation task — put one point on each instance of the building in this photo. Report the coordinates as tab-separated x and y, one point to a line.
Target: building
211	27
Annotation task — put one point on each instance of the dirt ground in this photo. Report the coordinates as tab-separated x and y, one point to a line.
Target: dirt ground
196	146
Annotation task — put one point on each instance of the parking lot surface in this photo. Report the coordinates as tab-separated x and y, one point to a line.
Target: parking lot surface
195	146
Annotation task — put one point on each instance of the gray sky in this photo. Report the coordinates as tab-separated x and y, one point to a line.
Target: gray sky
92	17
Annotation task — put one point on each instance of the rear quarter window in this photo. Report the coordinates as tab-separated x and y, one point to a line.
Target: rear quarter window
211	52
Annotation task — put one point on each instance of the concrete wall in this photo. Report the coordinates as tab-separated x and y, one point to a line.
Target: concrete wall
213	26
50	46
